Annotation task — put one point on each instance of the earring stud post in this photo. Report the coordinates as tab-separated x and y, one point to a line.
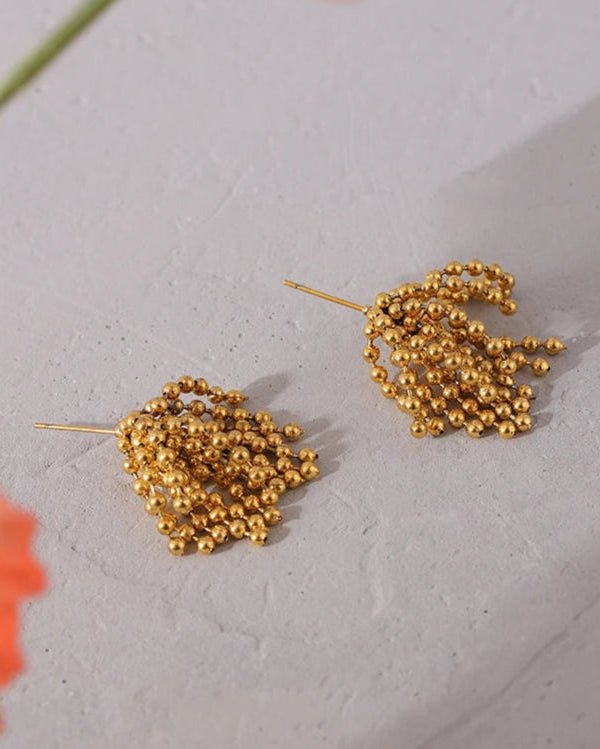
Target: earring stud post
326	297
73	428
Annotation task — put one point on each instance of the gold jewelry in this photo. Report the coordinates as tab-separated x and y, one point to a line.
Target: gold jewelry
451	369
185	457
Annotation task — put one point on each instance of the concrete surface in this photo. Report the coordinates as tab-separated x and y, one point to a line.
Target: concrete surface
157	184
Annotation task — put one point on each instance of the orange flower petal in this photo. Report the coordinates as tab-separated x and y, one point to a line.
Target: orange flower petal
20	576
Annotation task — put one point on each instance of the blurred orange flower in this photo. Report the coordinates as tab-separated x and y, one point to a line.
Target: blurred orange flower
20	577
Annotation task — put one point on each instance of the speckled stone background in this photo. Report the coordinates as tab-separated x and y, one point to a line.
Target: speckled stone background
157	184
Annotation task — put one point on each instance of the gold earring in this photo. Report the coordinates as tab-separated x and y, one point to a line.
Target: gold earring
185	457
451	369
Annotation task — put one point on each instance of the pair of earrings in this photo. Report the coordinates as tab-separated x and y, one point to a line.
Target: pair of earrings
209	470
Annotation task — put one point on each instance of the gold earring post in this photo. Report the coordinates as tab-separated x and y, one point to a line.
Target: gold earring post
73	428
326	297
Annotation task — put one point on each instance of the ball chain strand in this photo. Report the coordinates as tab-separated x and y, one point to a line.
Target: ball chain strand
209	470
450	370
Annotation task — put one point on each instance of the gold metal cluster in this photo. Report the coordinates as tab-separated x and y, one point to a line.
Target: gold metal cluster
451	369
209	470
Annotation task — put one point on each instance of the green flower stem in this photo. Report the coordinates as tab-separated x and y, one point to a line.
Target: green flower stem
50	47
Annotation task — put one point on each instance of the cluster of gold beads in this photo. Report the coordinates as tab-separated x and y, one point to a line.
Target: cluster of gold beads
451	370
208	469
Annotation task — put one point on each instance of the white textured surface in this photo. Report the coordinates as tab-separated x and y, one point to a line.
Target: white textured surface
157	184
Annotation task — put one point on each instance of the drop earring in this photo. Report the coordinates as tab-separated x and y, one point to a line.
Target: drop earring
451	370
208	470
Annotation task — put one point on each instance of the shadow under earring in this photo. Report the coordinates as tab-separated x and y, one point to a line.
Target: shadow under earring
451	370
209	471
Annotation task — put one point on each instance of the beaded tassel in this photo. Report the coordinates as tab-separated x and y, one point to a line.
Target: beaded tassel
451	370
210	471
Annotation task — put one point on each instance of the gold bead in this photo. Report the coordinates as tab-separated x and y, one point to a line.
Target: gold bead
141	487
540	367
240	455
183	504
216	394
236	510
171	391
423	393
220	534
400	357
474	428
270	497
454	283
130	466
166	524
186	383
454	268
475	330
412	405
388	390
382	301
453	361
199	520
554	346
272	516
379	374
407	378
206	544
521	405
186	531
292	478
494	347
277	485
418	429
493	271
234	397
469	377
395	311
251	502
255	521
525	391
435	311
371	353
435	352
523	422
177	546
506	429
456	317
201	387
307	454
237	528
218	514
530	343
309	471
259	536
507	366
155	503
507	281
435	426
503	410
219	441
456	417
293	432
451	392
488	393
474	267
